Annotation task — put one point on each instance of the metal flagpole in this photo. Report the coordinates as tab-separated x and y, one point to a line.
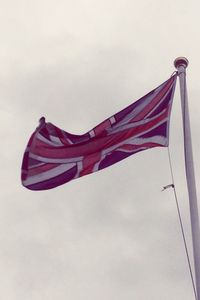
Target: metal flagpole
181	64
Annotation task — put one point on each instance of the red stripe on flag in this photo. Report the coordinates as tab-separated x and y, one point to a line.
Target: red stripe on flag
101	127
130	148
95	144
89	163
61	136
154	102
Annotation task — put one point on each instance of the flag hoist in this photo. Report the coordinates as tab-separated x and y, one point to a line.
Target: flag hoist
181	64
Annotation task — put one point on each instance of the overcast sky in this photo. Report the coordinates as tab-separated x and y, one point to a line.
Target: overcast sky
112	234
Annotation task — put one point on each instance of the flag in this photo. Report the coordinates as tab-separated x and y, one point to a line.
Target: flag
54	156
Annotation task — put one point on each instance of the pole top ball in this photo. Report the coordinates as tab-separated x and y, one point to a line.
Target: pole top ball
181	61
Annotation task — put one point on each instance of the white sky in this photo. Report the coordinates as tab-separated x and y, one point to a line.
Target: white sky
113	234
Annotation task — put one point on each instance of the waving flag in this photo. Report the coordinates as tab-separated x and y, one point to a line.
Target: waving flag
54	156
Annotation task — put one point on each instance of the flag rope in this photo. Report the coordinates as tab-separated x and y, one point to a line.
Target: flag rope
181	225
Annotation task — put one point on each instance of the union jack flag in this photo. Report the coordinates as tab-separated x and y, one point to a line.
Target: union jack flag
54	156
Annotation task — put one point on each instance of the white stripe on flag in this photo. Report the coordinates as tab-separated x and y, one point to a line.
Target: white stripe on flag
48	174
56	160
43	139
134	124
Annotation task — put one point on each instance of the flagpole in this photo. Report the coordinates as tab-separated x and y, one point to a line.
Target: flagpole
181	64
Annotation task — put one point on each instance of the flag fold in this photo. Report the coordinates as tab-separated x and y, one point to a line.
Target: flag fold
54	156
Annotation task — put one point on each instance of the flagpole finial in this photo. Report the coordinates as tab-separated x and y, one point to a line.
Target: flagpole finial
181	61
